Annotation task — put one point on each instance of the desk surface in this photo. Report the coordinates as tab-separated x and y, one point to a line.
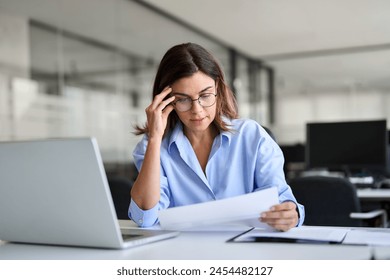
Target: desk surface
374	194
196	245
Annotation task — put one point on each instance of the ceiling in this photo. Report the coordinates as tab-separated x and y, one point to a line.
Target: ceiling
314	45
269	28
319	45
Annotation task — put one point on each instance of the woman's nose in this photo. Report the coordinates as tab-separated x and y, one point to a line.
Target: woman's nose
196	107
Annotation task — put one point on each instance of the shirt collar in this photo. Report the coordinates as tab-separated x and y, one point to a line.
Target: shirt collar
227	134
177	133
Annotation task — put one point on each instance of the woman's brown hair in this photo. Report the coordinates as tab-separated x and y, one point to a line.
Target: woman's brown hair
185	60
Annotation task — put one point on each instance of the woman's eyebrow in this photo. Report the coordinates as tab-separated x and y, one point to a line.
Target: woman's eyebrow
207	88
179	93
187	95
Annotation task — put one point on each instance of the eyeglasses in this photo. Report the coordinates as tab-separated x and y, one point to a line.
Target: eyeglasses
185	103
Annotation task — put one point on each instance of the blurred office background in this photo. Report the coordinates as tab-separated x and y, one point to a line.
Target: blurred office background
73	68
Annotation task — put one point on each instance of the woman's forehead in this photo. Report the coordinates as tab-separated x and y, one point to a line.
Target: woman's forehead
194	84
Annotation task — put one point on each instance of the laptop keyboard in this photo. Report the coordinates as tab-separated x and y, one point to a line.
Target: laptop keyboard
130	236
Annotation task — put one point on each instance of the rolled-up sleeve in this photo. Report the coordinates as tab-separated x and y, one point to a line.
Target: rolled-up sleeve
143	218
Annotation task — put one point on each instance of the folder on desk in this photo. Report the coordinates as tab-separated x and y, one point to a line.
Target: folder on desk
318	235
313	235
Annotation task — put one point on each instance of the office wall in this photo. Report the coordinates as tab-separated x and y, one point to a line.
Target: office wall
39	99
341	89
295	109
14	45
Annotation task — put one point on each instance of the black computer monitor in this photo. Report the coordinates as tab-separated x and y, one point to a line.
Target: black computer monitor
360	145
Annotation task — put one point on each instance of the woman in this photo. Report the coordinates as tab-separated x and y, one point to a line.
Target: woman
196	149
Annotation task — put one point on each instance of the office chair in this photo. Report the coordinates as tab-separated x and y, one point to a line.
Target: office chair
331	201
120	191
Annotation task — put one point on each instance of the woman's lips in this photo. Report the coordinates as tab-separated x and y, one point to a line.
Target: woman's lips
197	120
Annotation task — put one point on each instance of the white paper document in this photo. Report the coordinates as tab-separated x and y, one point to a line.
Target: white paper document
244	209
373	237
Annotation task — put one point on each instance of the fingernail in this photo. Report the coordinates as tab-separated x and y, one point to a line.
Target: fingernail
263	215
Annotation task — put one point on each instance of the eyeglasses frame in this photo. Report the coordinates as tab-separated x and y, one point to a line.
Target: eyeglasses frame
196	99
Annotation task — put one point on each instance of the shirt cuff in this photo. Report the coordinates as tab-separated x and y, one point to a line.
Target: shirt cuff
143	218
301	213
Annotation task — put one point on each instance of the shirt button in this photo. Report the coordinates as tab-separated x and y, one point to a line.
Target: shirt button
140	221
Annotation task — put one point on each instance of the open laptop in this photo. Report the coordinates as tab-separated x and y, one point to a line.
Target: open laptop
56	192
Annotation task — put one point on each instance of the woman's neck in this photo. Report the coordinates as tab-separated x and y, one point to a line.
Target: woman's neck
202	143
202	138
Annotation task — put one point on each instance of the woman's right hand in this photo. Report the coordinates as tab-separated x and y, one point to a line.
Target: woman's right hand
157	113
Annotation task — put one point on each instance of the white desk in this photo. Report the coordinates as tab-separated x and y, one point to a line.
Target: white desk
197	245
374	194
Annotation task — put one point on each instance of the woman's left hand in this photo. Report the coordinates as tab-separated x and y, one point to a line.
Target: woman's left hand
281	216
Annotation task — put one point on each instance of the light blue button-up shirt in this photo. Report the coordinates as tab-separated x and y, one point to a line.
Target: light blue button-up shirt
241	161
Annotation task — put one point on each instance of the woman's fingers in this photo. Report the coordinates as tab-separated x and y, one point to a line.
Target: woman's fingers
159	98
158	101
165	102
158	111
167	110
282	216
